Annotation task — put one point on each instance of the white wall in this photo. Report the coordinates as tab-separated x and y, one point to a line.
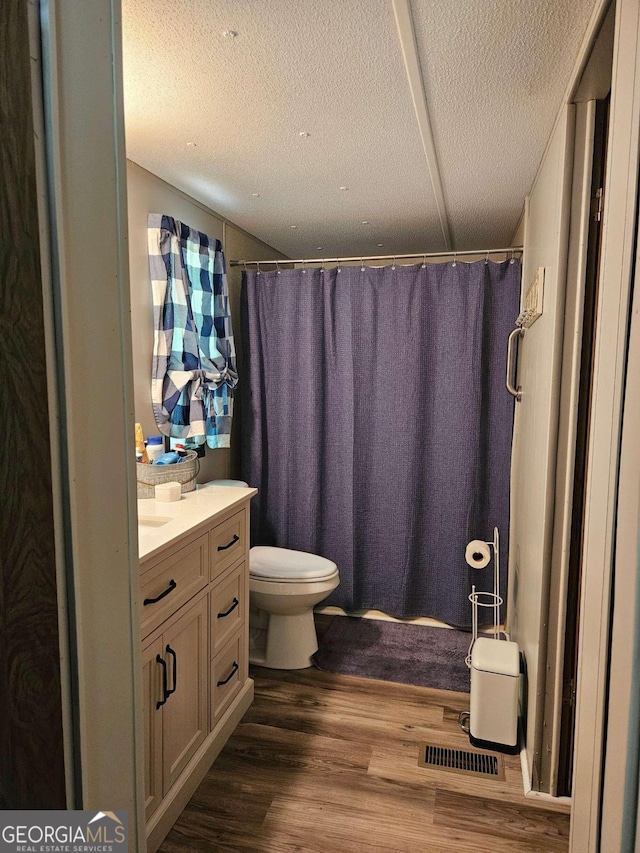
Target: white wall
149	194
536	421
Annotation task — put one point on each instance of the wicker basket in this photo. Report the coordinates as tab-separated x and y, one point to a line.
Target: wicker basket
185	473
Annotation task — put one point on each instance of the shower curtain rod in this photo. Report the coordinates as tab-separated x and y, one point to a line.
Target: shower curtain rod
511	249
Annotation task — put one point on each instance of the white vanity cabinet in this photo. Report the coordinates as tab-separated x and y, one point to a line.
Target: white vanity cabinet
194	608
175	685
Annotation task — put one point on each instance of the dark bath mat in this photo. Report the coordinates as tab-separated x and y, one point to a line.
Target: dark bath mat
395	651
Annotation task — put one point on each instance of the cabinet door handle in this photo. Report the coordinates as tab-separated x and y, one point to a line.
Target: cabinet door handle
230	610
234	669
170	588
165	694
171	652
233	542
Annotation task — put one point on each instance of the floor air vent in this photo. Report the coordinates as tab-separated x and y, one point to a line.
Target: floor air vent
461	761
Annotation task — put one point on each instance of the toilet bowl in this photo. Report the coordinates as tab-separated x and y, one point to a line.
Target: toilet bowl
285	585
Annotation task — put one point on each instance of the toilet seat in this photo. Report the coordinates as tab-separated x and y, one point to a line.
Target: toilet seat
287	566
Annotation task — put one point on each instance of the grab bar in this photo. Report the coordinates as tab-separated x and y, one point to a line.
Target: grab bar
511	379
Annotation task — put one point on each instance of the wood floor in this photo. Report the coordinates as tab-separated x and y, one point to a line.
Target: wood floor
327	763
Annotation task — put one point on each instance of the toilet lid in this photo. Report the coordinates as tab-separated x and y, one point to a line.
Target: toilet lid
283	564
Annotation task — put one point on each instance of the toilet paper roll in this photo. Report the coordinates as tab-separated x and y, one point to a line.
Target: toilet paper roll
477	554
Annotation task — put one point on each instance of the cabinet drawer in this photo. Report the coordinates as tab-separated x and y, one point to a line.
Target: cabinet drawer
227	606
228	543
228	674
170	583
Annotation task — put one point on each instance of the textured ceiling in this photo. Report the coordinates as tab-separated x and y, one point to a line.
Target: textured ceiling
495	72
494	75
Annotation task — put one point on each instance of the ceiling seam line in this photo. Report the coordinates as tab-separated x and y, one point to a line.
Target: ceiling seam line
409	46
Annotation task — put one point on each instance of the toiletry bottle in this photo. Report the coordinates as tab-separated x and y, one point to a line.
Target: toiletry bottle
141	451
169	458
155	447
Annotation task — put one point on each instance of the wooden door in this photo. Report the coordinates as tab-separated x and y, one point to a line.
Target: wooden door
32	764
185	725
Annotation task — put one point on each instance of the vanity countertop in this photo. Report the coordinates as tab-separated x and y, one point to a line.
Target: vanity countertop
161	523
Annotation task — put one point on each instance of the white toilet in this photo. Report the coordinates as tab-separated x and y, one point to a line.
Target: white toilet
284	587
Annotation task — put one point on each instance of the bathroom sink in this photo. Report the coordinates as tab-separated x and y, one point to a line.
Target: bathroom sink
152	520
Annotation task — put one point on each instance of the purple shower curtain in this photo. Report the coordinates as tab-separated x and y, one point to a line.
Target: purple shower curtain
377	427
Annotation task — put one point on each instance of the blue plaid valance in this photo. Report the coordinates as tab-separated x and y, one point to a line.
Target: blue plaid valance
194	359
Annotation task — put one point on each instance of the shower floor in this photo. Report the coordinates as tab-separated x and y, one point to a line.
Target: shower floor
330	610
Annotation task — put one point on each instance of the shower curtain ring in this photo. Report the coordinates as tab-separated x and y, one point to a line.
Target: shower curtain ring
258	266
303	266
512	258
486	260
393	265
455	255
245	266
361	264
277	268
424	262
339	268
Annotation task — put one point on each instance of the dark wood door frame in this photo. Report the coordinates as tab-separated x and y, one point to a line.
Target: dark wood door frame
32	771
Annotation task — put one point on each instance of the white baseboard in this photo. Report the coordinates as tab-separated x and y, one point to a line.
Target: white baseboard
561	804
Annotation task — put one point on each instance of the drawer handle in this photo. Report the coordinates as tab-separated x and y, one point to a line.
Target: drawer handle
233	542
234	669
165	694
170	588
170	651
230	610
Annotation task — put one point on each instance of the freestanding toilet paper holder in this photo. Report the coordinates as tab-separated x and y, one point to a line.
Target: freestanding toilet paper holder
492	600
492	721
